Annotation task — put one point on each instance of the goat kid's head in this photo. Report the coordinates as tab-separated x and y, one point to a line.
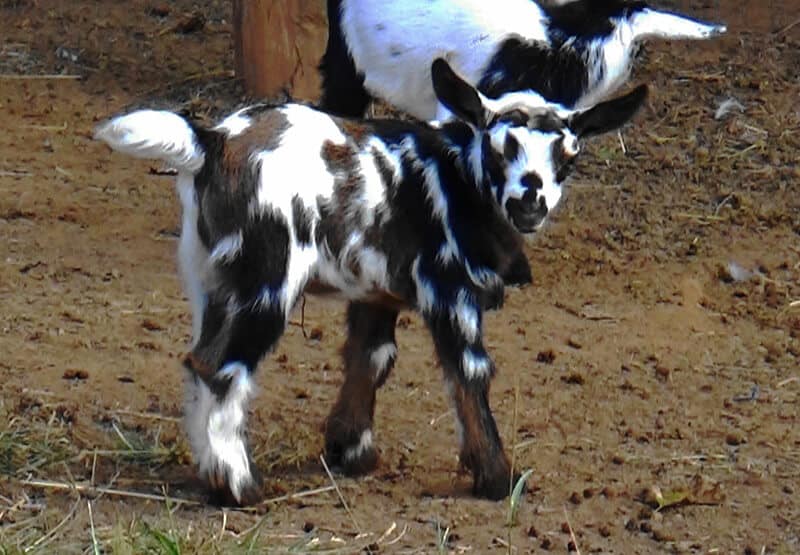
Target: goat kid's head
525	147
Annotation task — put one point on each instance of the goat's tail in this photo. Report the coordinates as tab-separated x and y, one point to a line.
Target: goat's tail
155	134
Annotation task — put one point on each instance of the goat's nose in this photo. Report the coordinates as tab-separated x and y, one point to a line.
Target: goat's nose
531	182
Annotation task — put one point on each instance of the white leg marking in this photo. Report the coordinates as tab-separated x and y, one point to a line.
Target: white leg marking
216	429
465	316
365	443
475	366
198	404
381	358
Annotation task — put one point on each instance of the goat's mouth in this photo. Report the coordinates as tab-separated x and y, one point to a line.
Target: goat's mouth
527	217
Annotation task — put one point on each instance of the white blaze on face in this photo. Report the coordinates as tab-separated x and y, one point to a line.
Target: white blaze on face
534	157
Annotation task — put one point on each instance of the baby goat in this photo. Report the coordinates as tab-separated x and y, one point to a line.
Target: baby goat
574	54
392	214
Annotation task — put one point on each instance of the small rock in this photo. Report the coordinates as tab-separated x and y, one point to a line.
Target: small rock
574	343
151	325
734	438
662	536
574	379
315	334
547	357
160	10
575	498
75	374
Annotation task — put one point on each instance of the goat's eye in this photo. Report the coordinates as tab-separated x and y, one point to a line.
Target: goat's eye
511	148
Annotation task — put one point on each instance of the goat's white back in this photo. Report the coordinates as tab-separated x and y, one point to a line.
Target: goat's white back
399	61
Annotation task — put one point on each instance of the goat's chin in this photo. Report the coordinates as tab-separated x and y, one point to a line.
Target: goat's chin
526	223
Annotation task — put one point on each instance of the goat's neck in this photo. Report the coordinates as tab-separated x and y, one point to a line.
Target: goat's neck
466	147
608	62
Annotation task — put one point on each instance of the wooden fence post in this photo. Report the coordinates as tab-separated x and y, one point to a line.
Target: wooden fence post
278	45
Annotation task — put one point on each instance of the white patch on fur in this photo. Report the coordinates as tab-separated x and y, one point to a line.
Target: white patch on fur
426	297
197	406
154	134
466	316
654	23
395	43
192	255
296	168
226	248
382	358
440	206
226	430
236	123
376	146
476	367
484	278
365	443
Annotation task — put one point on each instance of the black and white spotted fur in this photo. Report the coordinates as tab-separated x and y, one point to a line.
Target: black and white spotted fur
391	214
575	53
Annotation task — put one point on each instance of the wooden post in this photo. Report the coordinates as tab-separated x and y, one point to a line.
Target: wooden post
278	45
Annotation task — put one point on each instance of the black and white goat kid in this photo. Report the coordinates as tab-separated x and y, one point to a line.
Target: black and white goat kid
392	214
575	54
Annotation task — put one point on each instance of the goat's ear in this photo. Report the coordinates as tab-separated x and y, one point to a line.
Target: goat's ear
609	115
457	95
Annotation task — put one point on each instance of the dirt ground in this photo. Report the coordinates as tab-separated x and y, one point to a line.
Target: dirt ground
655	359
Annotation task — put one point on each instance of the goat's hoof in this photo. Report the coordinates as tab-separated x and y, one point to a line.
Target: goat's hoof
497	487
518	273
351	461
221	494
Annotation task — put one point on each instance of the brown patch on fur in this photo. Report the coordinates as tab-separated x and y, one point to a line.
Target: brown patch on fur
481	448
354	129
264	133
202	370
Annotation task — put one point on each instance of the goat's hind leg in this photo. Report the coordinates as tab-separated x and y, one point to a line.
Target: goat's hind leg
369	355
218	389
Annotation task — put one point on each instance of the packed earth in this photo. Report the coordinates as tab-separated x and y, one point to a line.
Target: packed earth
648	379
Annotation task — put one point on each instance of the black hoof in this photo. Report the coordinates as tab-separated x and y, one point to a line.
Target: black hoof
220	493
351	461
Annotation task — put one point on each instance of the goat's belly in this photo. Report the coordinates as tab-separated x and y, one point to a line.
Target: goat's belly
384	298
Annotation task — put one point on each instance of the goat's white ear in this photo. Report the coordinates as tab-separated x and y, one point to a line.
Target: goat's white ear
457	95
609	115
653	23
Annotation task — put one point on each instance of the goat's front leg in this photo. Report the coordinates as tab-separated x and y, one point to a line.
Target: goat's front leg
218	388
467	372
369	355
